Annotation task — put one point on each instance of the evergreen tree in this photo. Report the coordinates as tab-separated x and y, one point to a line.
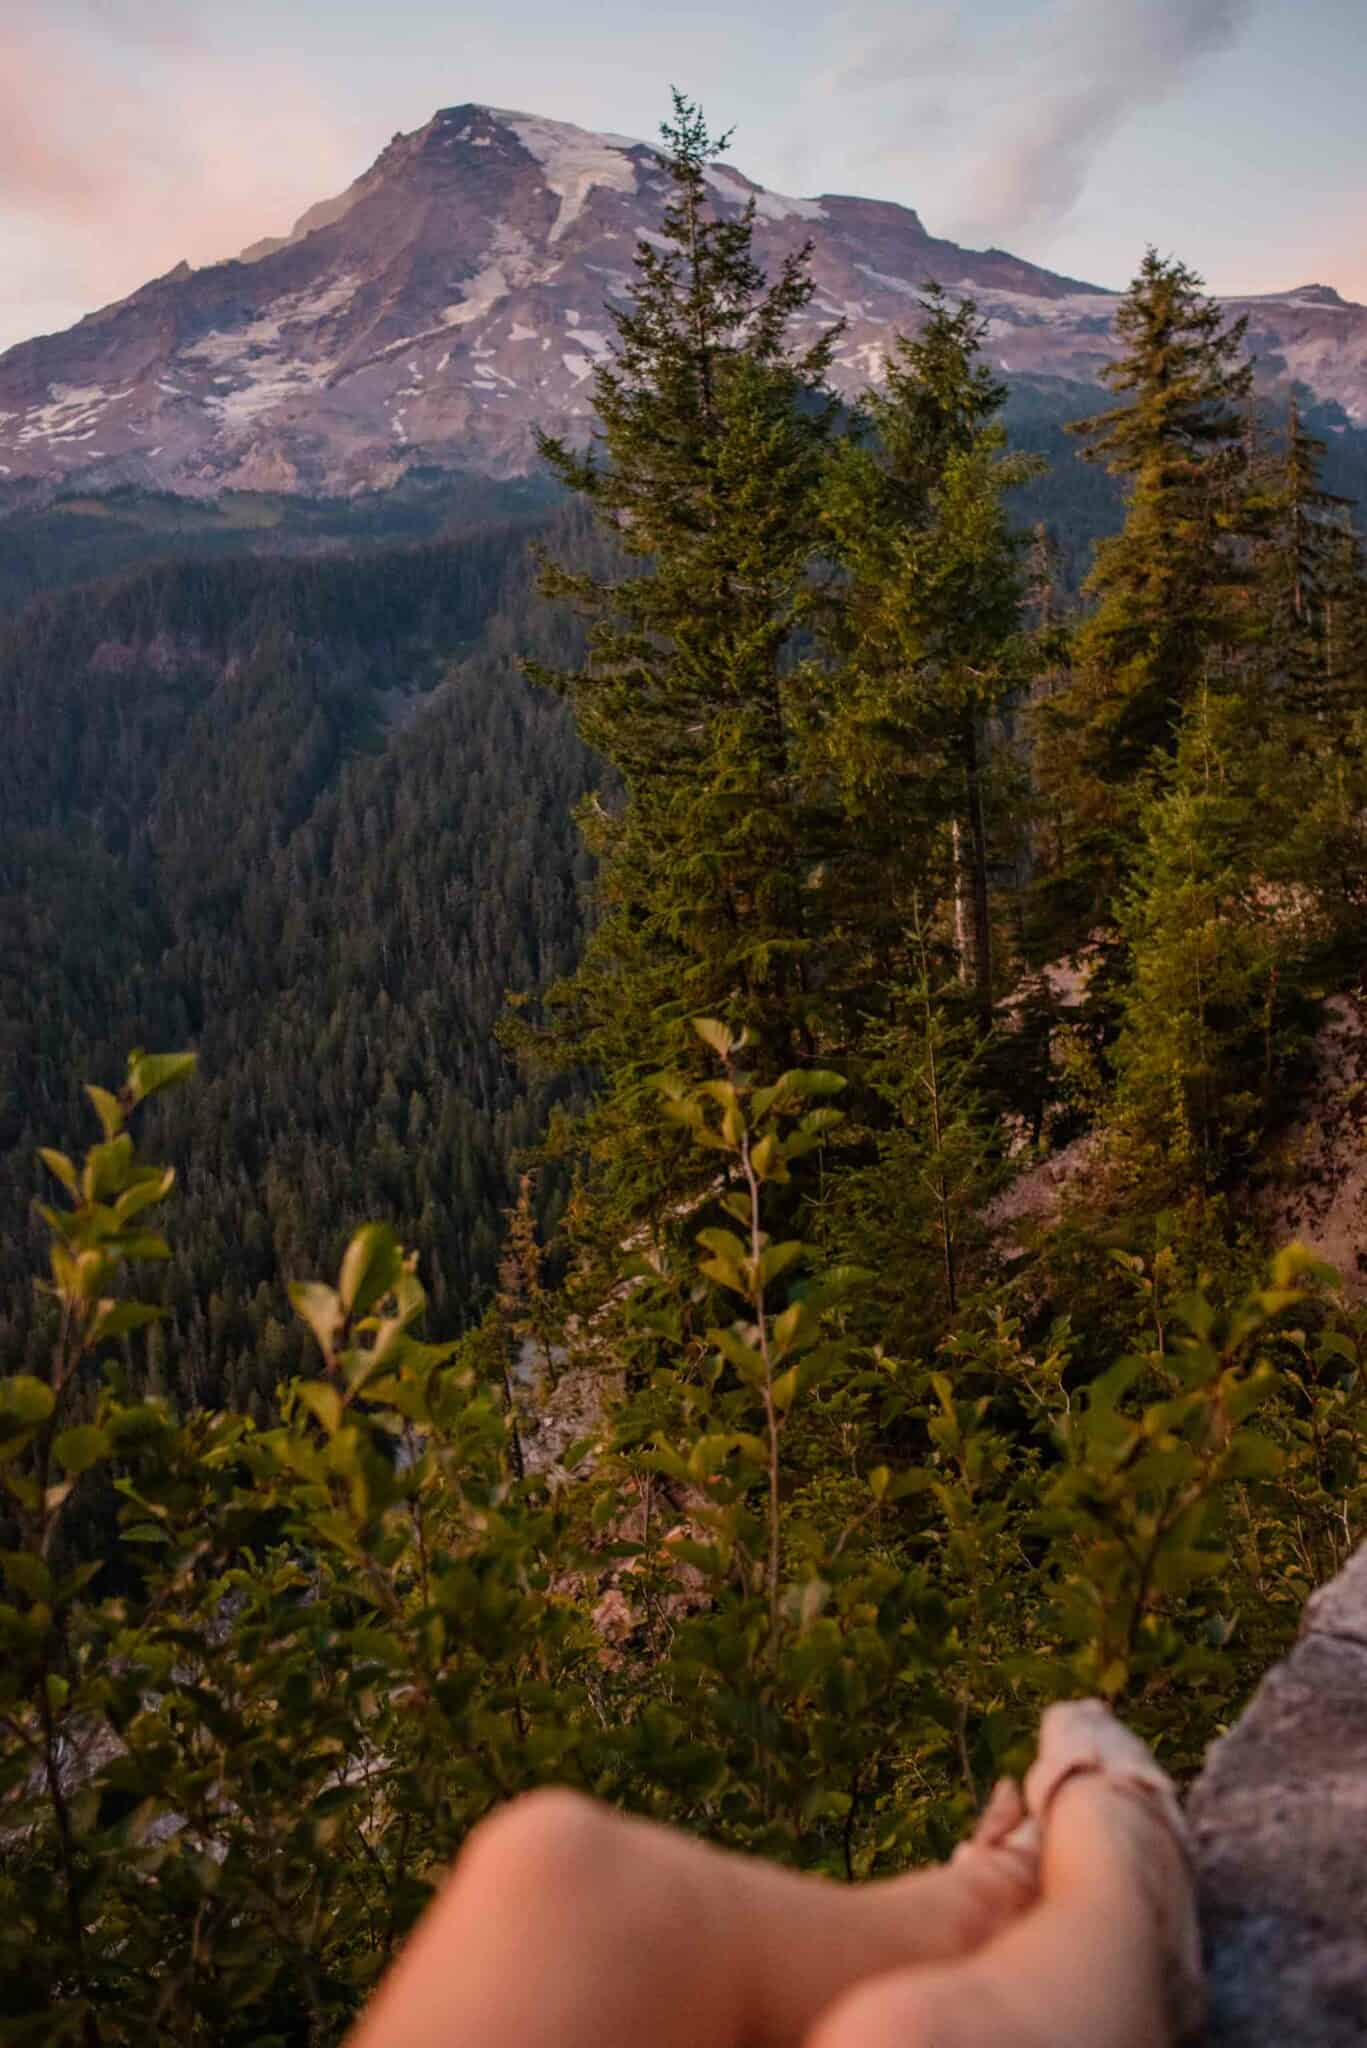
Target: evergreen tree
1166	587
1301	688
699	686
914	1213
931	624
1214	933
1309	569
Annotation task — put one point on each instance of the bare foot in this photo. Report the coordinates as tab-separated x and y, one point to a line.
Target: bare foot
1107	1959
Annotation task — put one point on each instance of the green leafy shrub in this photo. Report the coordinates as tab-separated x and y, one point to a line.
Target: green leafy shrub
244	1726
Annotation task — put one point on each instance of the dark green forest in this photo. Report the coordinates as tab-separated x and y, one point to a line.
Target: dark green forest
309	818
641	935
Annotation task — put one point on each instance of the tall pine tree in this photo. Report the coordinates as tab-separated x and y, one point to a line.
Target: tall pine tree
699	686
931	625
1168	613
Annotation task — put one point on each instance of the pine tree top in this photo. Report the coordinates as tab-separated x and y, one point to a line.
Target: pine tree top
1184	365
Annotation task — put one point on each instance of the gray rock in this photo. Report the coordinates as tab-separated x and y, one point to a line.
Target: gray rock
1279	1820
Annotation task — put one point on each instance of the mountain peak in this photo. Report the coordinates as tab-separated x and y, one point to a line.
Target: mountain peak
457	296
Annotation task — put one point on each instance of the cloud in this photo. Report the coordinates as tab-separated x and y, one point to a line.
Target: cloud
901	52
126	145
1018	118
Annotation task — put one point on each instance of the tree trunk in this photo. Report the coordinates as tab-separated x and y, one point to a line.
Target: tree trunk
972	908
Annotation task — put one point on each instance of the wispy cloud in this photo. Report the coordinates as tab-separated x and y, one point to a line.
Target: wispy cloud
126	144
1017	116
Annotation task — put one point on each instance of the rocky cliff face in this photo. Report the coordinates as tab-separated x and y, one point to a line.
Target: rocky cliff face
1279	1821
454	298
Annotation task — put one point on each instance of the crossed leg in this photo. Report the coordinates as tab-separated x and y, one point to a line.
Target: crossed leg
565	1925
1093	1963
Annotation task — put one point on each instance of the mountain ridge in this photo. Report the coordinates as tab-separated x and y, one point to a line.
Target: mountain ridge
453	299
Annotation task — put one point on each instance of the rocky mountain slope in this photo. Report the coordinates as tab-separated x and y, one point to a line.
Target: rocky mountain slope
454	298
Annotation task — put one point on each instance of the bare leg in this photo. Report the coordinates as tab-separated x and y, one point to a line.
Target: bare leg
1105	1960
566	1926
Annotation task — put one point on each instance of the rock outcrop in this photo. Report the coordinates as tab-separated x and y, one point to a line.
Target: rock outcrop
1279	1818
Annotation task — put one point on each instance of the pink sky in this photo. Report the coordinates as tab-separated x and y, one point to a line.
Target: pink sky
135	133
110	174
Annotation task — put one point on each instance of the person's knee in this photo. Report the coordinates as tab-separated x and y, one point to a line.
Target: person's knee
553	1840
887	2012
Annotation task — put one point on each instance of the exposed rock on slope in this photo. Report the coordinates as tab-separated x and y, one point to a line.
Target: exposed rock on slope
1280	1824
1316	1191
453	299
1321	1197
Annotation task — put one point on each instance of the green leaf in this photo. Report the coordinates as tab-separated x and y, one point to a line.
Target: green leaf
372	1268
687	1550
80	1447
319	1307
108	1109
777	1258
747	1361
149	1072
662	1458
715	1034
767	1159
795	1323
322	1400
143	1194
1294	1264
1114	1678
1333	1344
724	1243
907	1483
146	1245
27	1574
27	1399
106	1168
809	1081
727	1274
58	1163
117	1318
1253	1457
785	1389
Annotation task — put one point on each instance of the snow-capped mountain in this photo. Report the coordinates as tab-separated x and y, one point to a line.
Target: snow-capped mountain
455	297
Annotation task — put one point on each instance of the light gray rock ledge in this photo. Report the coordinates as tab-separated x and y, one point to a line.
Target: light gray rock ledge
1279	1821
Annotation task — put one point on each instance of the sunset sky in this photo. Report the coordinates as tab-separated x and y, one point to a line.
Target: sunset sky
137	132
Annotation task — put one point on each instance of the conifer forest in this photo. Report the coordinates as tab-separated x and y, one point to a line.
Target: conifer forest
653	1133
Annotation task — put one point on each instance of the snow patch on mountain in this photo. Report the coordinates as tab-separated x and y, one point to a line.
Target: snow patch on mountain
776	206
258	394
510	268
573	161
266	333
889	284
69	415
259	361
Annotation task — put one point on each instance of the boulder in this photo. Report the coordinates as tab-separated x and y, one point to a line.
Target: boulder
1279	1822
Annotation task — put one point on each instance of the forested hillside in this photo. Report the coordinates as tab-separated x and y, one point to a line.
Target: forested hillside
788	1463
240	813
307	817
50	543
